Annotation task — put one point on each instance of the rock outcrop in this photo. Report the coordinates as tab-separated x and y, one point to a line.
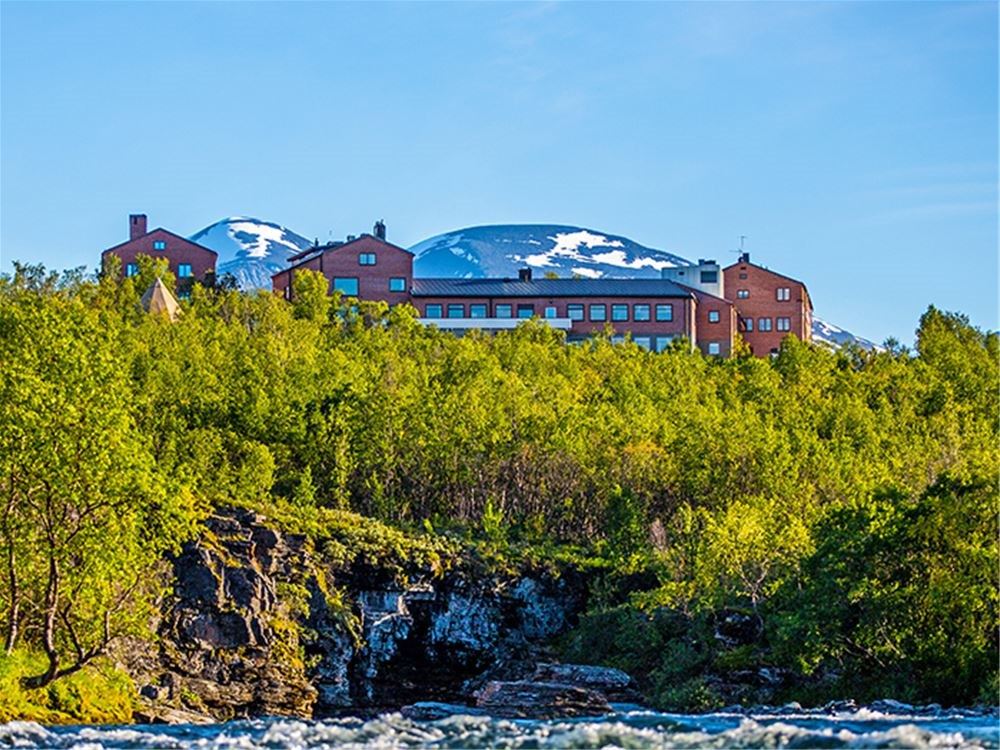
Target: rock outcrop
252	628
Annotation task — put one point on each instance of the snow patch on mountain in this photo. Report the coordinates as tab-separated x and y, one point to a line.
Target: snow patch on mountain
250	249
501	250
836	337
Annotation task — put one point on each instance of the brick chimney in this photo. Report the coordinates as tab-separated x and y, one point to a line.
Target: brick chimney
136	225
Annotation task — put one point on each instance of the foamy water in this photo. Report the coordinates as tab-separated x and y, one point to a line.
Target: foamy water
862	728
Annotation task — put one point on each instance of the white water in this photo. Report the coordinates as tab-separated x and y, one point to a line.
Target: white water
862	728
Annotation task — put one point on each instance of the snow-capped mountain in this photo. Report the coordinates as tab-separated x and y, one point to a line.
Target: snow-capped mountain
479	252
250	249
564	250
836	337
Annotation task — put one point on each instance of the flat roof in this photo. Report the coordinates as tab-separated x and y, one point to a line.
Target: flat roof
549	288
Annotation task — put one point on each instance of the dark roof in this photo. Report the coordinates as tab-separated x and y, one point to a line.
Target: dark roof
548	288
165	231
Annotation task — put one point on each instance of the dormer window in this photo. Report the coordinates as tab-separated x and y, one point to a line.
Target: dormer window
159	245
366	259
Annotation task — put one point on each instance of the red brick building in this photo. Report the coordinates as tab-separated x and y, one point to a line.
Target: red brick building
189	261
701	303
769	305
366	267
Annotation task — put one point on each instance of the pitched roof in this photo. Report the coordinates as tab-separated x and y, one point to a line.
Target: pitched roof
774	273
158	300
165	231
548	288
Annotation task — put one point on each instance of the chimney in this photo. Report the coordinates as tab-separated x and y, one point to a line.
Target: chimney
744	257
136	225
524	274
380	229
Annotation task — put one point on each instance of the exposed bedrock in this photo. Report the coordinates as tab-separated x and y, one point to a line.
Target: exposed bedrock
259	625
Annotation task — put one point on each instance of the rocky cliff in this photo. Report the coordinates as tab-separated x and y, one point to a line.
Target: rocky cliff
261	622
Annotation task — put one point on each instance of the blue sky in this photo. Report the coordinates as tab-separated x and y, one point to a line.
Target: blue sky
855	144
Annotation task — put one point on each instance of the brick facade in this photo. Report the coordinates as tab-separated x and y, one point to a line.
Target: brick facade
183	255
388	278
769	306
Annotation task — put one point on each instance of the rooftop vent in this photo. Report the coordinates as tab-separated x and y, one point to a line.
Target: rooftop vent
524	274
379	229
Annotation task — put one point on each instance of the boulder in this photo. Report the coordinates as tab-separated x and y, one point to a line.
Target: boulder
614	684
434	711
526	699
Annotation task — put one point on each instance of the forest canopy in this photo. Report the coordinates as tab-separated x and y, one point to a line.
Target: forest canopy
847	499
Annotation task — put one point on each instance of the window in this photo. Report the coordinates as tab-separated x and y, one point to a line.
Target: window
397	284
366	259
664	312
763	324
288	292
432	311
784	324
663	342
714	347
746	324
184	271
550	312
574	312
346	286
742	294
184	294
131	269
159	245
645	342
477	311
784	294
619	312
743	275
640	312
598	312
713	316
709	277
505	311
456	311
525	311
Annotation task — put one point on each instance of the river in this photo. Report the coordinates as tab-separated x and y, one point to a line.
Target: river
629	729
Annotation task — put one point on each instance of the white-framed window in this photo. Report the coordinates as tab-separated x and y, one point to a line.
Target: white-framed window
784	294
505	311
746	324
742	294
346	285
131	269
714	347
159	245
366	259
713	316
477	310
640	312
432	311
763	324
598	313
664	312
574	312
646	342
619	312
784	324
184	271
397	284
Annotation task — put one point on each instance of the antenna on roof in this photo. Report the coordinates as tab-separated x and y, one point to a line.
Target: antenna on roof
742	237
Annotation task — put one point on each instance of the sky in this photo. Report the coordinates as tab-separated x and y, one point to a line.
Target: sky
853	144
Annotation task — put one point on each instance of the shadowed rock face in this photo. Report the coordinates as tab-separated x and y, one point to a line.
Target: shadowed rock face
249	631
541	700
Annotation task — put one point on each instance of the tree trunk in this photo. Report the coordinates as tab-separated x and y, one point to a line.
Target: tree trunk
48	630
